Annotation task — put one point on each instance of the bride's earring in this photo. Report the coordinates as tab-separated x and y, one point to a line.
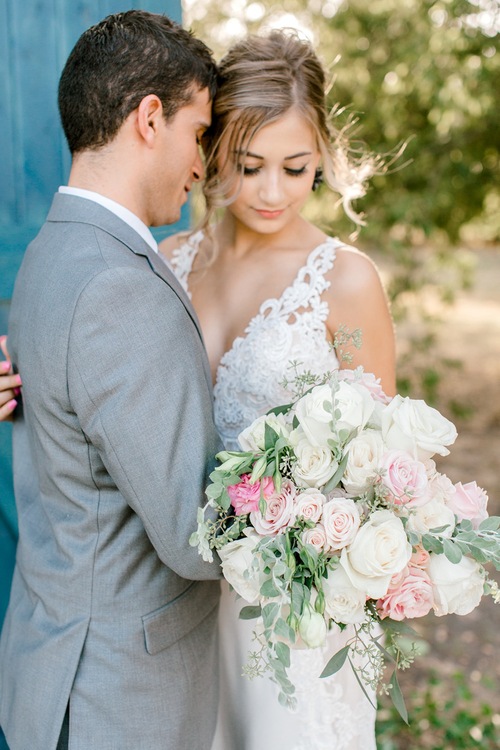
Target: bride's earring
318	178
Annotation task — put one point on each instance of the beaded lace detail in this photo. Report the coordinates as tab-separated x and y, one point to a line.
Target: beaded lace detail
332	714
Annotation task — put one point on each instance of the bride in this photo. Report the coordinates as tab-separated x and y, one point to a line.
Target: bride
270	289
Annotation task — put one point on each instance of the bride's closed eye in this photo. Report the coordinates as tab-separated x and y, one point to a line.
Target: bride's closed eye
249	171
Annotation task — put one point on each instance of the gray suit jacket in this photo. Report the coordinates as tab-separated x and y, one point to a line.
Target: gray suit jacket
110	608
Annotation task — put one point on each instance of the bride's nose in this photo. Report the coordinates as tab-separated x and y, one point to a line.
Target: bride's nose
271	188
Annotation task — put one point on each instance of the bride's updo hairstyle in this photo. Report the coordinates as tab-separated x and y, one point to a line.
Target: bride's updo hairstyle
260	80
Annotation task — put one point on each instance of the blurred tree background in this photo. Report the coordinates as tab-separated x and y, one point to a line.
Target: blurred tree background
418	72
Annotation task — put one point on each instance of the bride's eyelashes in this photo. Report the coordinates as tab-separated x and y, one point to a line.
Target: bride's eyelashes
249	171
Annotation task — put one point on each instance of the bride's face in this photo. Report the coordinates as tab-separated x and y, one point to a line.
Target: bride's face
276	174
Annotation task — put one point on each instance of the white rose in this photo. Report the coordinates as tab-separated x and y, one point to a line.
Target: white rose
411	425
355	405
309	504
314	419
364	456
240	569
457	587
433	515
253	437
379	550
343	602
441	487
312	627
341	521
315	465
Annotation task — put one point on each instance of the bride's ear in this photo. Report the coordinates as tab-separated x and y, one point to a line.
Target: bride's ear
150	119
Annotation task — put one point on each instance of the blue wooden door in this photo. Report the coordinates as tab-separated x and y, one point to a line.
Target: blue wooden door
36	37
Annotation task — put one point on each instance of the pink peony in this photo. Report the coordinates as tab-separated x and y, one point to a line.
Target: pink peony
245	496
469	502
279	511
405	479
407	598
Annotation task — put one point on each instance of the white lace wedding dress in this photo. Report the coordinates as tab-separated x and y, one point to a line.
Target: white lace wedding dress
332	713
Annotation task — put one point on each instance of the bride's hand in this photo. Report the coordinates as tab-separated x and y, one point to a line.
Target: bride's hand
9	384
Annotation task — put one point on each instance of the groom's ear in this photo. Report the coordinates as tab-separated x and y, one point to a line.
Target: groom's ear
149	119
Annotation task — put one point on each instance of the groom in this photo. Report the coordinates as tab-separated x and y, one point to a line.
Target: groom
109	642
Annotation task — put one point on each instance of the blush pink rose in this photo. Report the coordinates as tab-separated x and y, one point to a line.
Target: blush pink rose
341	522
245	496
316	537
279	511
405	479
420	557
408	598
309	504
368	380
469	502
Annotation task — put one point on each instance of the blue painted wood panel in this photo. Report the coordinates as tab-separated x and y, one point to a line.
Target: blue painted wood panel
36	37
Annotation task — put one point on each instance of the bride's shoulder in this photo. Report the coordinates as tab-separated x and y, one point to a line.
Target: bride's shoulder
354	271
181	243
169	245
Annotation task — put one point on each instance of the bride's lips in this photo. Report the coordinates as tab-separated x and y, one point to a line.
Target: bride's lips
266	214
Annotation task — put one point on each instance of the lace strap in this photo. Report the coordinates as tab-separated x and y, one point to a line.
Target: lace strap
183	258
305	291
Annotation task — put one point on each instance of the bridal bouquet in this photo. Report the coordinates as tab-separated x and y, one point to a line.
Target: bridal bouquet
333	514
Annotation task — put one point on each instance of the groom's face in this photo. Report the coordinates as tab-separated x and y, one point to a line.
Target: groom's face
179	161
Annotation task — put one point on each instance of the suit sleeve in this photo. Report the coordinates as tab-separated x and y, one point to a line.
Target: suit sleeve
137	383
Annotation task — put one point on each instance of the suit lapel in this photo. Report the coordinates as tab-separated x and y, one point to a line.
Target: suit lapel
73	208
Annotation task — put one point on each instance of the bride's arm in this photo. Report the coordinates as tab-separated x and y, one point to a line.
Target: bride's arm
357	300
9	384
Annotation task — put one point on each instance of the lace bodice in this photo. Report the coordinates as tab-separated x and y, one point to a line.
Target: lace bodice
286	330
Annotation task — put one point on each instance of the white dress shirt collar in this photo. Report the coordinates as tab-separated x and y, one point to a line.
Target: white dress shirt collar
123	213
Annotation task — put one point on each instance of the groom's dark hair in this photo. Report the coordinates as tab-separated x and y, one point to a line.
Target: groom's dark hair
118	62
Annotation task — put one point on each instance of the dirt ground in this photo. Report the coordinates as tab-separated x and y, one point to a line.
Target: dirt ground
470	332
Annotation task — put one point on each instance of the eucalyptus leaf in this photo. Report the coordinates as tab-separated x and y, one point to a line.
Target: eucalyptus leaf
283	630
452	551
269	614
269	590
413	538
431	544
492	523
396	627
439	529
250	612
336	662
333	482
283	653
397	698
